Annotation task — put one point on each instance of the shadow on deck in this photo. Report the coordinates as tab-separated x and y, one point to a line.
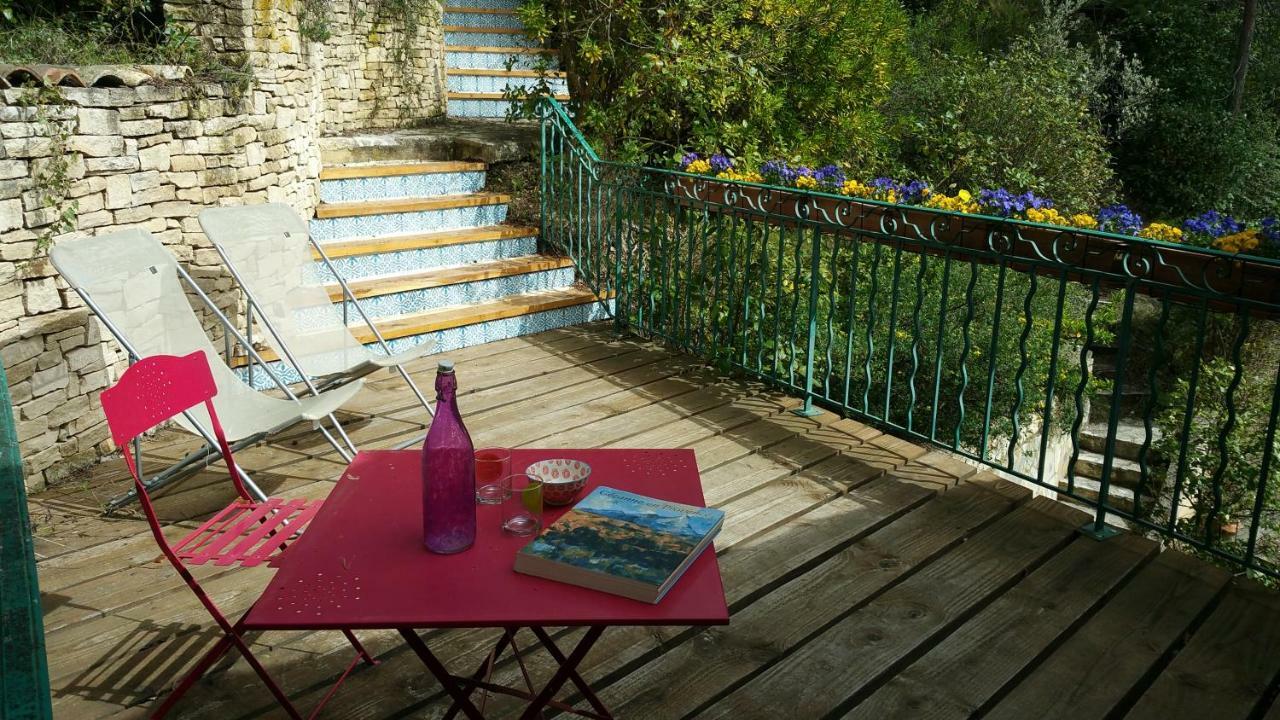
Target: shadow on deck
868	577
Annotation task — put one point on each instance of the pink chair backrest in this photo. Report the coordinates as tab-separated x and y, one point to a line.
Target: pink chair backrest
156	389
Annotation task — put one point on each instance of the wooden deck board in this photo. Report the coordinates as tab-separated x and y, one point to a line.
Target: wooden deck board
867	576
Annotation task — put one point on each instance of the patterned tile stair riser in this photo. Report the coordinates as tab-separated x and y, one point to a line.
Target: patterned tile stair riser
401	186
364	266
478	108
465	336
464	293
486	4
487	39
327	229
499	83
497	60
482	20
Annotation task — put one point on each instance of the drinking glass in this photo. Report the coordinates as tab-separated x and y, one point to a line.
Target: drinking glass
521	504
492	465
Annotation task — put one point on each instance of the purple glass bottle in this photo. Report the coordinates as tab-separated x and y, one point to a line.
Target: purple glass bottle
448	473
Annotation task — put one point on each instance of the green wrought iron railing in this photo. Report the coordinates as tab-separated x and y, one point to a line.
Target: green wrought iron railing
24	675
1139	378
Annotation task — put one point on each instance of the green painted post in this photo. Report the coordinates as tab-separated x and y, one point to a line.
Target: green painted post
24	673
815	278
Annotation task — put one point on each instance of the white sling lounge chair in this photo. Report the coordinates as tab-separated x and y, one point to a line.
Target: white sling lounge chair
135	286
268	251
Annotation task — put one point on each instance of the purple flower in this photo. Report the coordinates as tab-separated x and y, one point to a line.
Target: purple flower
1212	224
688	159
778	172
1270	229
1006	204
1119	219
909	192
830	176
720	163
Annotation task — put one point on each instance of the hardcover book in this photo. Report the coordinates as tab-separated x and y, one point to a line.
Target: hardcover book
622	543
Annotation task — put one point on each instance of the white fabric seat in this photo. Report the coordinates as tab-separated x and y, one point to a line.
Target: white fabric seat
267	249
132	281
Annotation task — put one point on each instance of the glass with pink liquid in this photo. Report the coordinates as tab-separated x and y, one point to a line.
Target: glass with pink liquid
492	465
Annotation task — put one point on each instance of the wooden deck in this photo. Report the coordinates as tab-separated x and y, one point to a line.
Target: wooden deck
868	577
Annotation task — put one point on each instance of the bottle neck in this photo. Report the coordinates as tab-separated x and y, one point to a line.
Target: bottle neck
446	388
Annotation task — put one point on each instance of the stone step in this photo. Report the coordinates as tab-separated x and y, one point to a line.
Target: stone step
375	218
401	295
438	277
1129	439
361	258
1118	498
1124	473
479	17
512	306
481	57
496	82
498	37
353	183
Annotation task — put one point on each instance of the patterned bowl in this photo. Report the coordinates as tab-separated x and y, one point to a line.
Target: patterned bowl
562	479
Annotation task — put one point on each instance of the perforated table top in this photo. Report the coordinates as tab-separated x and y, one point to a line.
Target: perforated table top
361	562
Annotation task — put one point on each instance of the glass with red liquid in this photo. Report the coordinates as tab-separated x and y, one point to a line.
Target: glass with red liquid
492	465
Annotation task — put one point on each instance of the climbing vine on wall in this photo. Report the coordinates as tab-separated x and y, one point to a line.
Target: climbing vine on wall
52	174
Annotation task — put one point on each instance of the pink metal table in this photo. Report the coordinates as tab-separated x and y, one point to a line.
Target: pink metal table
361	565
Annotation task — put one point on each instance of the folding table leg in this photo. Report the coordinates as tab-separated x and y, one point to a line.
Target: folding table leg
568	667
461	698
486	666
364	654
574	676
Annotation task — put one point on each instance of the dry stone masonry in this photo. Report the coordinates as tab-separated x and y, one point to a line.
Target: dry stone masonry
152	156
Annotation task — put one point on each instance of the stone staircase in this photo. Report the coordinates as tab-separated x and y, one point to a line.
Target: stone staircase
486	51
1126	472
427	252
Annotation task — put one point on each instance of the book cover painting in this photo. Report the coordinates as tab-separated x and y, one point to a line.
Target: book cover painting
625	535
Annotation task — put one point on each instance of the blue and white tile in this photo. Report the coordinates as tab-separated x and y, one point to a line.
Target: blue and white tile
466	293
357	267
498	60
479	108
326	229
488	39
491	4
500	83
482	20
401	186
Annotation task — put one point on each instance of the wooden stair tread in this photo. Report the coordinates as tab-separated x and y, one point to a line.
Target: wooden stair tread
419	241
344	172
404	205
490	96
461	315
453	316
501	49
485	72
484	30
439	277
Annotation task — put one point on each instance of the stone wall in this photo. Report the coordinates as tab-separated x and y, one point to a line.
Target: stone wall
152	157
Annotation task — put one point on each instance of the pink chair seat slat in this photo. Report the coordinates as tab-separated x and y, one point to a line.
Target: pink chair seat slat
212	528
246	522
274	523
275	541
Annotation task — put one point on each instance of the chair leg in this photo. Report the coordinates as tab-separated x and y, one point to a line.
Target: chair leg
414	387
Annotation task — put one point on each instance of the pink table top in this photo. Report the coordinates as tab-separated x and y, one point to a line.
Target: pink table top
361	562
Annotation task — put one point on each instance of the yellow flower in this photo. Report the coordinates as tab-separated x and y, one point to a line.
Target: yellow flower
1161	231
698	167
1049	216
1238	242
856	189
804	182
962	201
752	177
1084	220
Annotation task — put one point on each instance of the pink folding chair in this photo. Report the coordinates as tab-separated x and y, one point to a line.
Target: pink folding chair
245	532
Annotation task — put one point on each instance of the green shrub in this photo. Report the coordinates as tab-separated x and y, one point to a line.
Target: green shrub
739	75
1021	121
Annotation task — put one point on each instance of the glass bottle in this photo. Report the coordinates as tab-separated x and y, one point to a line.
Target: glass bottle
448	473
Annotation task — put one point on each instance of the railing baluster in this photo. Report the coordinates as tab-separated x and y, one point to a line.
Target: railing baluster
1213	523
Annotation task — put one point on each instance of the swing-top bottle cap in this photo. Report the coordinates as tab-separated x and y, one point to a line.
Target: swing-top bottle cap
445	366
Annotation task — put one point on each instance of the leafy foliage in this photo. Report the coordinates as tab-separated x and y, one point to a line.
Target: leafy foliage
650	77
